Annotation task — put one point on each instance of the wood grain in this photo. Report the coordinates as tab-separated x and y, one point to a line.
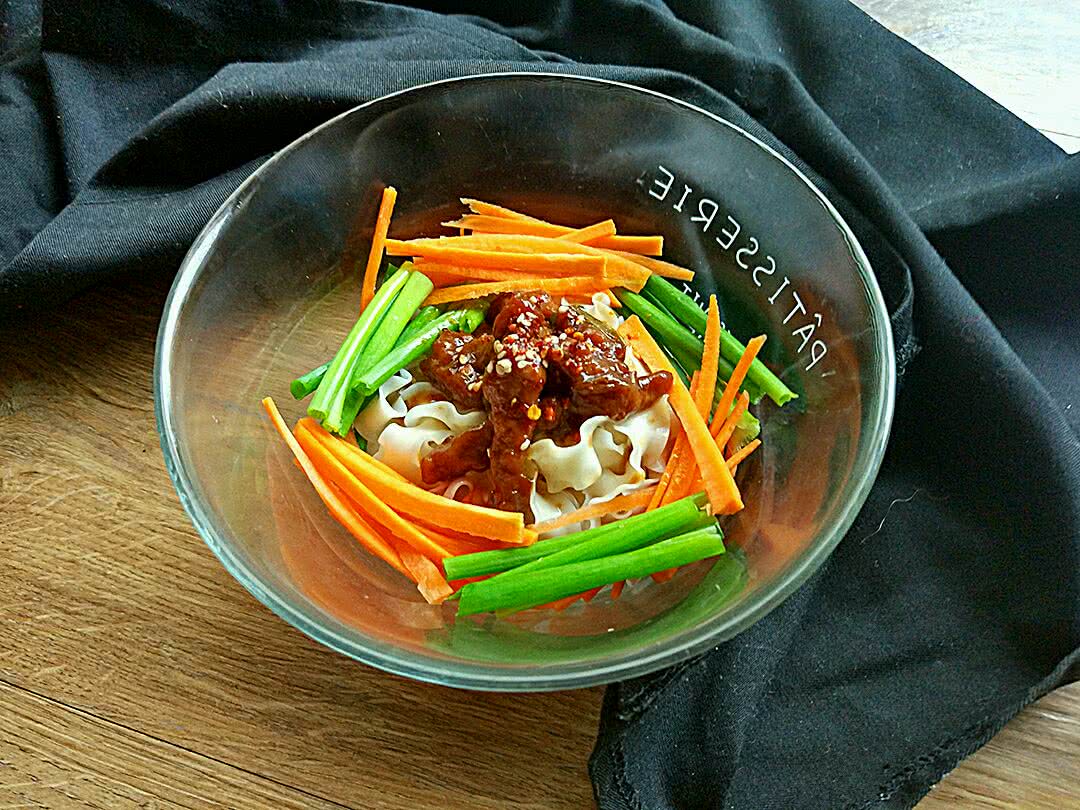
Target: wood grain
57	756
112	604
135	671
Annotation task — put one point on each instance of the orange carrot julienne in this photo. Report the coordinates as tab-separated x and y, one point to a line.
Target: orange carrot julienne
339	508
590	233
588	596
378	242
427	576
648	352
468	257
723	495
491	218
628	500
728	425
710	359
406	498
617	589
369	504
656	266
442	275
429	579
554	286
491	209
456	545
734	460
517	244
562	604
738	374
681	463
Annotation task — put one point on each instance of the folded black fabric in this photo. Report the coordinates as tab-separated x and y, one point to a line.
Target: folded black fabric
955	599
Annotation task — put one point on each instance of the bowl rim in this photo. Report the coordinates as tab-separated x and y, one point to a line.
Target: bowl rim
477	676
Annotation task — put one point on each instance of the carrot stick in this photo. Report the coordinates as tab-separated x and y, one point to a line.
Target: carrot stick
339	509
589	234
720	487
617	589
727	426
657	266
409	499
682	478
369	504
562	604
681	464
515	243
491	209
628	500
467	257
427	576
378	242
456	273
738	374
739	455
588	596
429	579
456	545
710	360
555	286
490	218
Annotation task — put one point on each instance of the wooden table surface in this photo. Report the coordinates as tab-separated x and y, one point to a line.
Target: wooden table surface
134	672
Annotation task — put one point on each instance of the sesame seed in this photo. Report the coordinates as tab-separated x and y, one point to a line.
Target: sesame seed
503	367
497	345
524	445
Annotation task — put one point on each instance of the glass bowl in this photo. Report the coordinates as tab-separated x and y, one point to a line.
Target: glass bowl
271	285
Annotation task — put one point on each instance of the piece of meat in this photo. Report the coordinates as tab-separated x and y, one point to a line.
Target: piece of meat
539	369
593	362
456	366
467	452
512	393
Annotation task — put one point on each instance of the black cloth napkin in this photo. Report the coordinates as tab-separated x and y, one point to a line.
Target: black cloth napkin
954	600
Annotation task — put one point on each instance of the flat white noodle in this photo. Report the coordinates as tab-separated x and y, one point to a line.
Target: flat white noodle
402	447
399	435
383	409
442	411
575	467
647	432
547	506
458	485
417	390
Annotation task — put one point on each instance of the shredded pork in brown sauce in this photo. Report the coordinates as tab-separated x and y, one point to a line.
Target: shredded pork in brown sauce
539	370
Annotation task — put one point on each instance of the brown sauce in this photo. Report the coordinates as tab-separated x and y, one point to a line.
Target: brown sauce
540	371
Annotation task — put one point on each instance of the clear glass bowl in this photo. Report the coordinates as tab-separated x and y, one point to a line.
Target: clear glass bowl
270	286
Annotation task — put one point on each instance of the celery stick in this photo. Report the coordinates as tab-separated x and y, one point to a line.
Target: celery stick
421	319
329	399
512	593
412	295
302	386
460	320
616	543
666	521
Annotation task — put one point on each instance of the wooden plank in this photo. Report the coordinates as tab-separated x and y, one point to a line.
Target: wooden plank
110	602
55	756
1033	763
